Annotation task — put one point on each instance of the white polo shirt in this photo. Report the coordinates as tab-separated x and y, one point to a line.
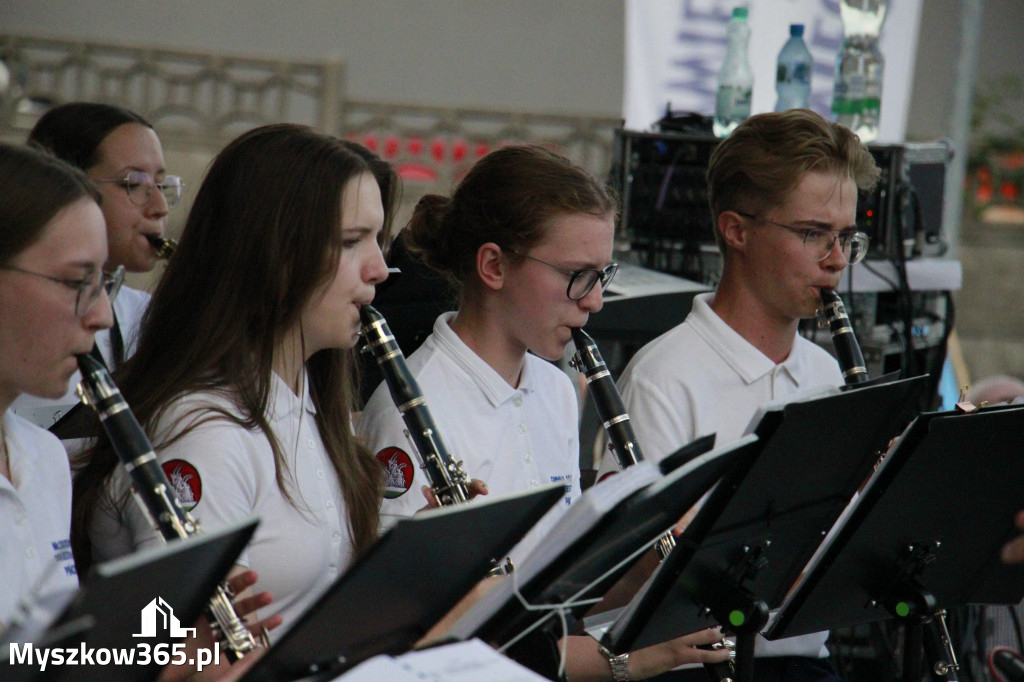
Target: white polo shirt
514	439
224	473
35	518
702	377
129	306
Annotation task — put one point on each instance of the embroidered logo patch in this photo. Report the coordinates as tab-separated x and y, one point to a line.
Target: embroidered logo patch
185	480
398	472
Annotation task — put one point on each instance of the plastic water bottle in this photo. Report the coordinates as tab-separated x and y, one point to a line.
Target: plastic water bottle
793	71
857	92
735	79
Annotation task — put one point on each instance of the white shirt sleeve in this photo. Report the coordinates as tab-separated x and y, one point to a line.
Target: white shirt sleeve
223	476
383	431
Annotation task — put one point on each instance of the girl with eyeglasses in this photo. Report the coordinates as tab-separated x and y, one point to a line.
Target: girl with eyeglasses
526	238
121	153
53	302
53	246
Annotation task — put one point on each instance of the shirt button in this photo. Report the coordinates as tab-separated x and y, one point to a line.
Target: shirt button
19	519
518	400
534	483
336	536
528	458
320	474
30	552
522	429
330	505
310	443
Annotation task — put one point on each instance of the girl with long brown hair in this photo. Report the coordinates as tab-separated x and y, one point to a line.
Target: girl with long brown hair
244	377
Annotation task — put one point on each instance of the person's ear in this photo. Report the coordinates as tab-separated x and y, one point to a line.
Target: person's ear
491	266
733	228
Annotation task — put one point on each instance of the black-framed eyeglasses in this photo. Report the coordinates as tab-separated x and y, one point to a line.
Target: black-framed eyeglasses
580	281
818	243
139	186
88	288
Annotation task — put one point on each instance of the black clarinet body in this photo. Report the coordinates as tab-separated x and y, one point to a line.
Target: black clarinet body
851	360
154	492
614	418
448	481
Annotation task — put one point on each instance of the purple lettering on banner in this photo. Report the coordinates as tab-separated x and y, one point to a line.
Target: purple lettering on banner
824	39
715	13
695	56
689	37
700	79
826	34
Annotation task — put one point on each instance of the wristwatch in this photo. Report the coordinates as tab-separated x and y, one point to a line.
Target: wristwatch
619	664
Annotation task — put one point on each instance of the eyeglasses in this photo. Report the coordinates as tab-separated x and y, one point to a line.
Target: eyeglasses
88	288
580	281
140	185
818	243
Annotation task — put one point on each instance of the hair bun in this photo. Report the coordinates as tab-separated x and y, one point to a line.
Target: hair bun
427	235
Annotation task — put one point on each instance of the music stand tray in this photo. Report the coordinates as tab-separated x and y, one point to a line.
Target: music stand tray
106	612
402	585
930	521
748	543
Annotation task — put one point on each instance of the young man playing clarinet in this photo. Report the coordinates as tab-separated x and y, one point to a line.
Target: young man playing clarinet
783	194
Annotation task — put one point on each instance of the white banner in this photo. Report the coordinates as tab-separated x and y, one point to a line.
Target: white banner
675	47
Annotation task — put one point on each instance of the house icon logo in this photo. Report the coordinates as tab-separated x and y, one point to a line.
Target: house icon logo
158	615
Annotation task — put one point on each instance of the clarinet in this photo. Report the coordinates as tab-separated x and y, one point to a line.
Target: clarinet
448	480
164	246
851	361
614	418
624	447
154	493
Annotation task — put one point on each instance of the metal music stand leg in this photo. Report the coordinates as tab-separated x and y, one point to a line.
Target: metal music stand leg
746	619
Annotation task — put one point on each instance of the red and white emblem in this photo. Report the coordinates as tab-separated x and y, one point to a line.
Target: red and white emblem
398	471
185	480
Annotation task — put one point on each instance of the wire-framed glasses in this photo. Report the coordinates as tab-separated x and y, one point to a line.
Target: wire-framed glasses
580	281
87	289
139	185
818	243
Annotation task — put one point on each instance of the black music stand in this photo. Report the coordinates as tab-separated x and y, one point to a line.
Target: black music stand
106	612
402	586
917	540
592	562
747	545
687	453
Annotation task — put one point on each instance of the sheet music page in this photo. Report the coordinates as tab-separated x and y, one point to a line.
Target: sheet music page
581	516
586	511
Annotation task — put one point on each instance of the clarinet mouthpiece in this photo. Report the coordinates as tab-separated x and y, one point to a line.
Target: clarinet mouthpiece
163	246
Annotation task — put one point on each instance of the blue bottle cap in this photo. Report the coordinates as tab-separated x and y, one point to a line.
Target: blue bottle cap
796	30
739	12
